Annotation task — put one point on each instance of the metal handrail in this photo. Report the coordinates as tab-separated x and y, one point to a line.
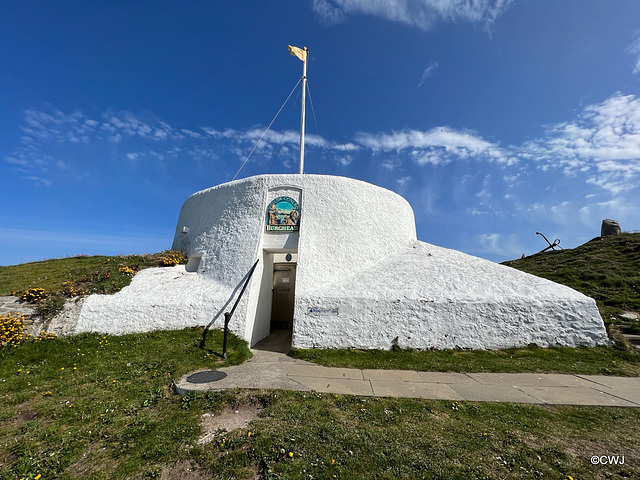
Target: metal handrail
228	315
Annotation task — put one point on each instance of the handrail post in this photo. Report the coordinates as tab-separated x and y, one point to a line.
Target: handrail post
227	318
228	315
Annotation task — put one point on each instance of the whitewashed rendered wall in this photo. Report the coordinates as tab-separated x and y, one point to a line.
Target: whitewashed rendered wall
363	280
346	226
424	296
157	299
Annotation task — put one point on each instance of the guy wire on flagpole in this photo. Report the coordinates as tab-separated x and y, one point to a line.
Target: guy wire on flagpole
265	132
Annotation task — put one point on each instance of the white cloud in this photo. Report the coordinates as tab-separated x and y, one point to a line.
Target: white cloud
128	124
416	13
437	146
535	208
40	181
343	161
327	12
600	146
190	133
391	163
498	244
273	137
427	72
562	213
634	49
604	141
16	161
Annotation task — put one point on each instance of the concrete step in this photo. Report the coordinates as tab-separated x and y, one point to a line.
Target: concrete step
633	339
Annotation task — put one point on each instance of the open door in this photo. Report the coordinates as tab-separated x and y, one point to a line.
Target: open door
284	280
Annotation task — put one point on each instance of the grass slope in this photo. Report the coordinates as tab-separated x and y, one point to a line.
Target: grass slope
67	277
605	268
83	271
100	402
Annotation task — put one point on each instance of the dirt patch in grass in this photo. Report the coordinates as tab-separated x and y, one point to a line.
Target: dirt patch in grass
24	414
227	420
184	471
7	457
92	462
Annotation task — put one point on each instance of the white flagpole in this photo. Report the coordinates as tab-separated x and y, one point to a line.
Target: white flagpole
304	91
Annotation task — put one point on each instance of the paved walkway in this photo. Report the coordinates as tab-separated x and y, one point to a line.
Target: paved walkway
271	368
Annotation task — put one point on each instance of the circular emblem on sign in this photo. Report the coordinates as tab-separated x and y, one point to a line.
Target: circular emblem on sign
283	215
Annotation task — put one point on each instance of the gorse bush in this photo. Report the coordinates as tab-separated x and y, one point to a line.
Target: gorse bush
70	290
32	295
172	259
12	331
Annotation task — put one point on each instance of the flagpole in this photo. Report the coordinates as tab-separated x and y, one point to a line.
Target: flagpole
304	91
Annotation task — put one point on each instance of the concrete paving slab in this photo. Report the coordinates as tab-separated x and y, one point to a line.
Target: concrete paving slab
493	393
627	388
447	377
335	385
267	357
515	379
440	391
247	375
392	375
576	396
629	394
270	368
568	380
613	382
325	372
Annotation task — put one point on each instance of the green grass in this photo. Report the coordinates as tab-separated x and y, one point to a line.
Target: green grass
605	268
95	406
103	396
616	360
321	436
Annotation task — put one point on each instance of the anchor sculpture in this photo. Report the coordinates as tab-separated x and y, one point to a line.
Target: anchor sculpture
552	246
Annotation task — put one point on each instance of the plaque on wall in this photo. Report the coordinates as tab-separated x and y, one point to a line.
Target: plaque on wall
283	215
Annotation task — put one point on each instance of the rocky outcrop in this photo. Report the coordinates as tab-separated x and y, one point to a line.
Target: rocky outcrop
610	227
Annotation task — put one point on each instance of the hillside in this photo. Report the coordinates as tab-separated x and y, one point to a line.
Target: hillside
605	268
77	276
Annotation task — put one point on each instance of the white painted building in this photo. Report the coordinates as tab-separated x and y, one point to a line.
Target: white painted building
340	265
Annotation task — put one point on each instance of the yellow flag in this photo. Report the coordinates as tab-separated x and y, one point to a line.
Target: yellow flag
298	52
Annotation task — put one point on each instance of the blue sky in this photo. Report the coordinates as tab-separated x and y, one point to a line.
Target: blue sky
493	118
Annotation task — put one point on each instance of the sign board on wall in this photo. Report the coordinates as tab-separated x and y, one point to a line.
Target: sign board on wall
283	215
